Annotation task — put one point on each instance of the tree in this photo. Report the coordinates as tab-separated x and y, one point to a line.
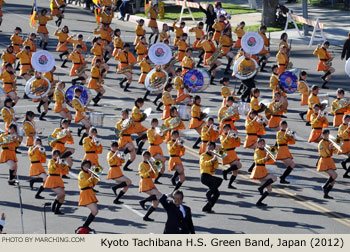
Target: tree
268	16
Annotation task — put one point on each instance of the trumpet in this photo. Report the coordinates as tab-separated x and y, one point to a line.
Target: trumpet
180	142
260	120
290	132
216	128
232	134
121	155
95	140
336	142
8	139
271	150
220	153
159	131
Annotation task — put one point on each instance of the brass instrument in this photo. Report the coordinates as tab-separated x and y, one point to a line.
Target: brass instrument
215	55
60	135
246	71
271	151
125	69
172	62
232	134
276	108
220	153
173	123
83	67
95	140
180	142
290	132
127	123
42	149
159	131
96	171
154	164
336	142
204	114
232	110
8	139
39	90
329	63
121	155
216	128
342	103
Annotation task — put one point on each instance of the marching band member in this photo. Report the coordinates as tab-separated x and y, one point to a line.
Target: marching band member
60	102
157	76
169	123
164	34
140	31
225	91
312	100
127	60
326	163
318	122
106	15
282	59
228	114
176	150
16	40
209	133
61	136
8	151
187	62
199	34
239	31
79	41
283	139
226	43
25	60
50	76
218	26
325	62
78	62
42	29
303	88
340	106
265	52
117	43
247	65
37	157
57	9
182	91
97	49
63	41
8	113
105	34
39	84
261	158
155	138
92	147
275	109
87	196
153	13
208	163
141	49
96	81
178	31
196	119
344	133
167	100
80	116
138	128
182	46
29	128
125	142
145	65
147	173
283	42
55	167
8	78
8	56
230	141
115	159
254	102
30	42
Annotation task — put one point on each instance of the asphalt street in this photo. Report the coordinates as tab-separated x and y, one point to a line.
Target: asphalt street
295	208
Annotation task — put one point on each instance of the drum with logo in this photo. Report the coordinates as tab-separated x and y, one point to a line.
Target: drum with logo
85	97
197	80
289	82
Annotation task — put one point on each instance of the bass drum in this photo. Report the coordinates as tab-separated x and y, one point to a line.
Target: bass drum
289	82
197	80
240	76
184	112
85	97
2	97
347	67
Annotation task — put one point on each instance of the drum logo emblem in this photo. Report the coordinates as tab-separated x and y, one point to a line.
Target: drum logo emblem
193	79
159	52
43	60
251	41
289	81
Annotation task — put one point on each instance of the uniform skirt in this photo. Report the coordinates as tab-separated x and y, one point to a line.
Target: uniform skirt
73	68
155	149
283	153
87	197
114	172
345	147
314	135
58	108
60	147
238	43
42	29
304	98
321	66
230	157
124	140
138	128
250	140
36	169
258	172
325	164
53	182
166	112
173	161
146	184
92	157
7	155
274	121
195	123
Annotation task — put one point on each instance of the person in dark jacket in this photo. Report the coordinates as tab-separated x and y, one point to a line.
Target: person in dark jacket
210	17
346	49
179	216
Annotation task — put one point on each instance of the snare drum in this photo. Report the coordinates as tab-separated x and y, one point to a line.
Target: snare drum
184	112
96	119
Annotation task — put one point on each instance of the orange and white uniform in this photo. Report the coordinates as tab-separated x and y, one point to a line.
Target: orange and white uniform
60	143
8	82
80	110
25	59
140	31
105	18
259	170
282	62
30	43
77	60
226	43
275	85
206	164
254	103
37	158
313	99
63	41
8	115
168	101
253	129
326	161
195	117
92	149
95	77
167	123
276	114
105	35
344	132
199	34
29	130
54	5
97	51
225	119
60	101
207	135
153	18
187	63
16	42
317	124
338	110
266	44
175	152
323	56
239	33
218	27
303	88
141	51
283	141
136	116
209	48
182	93
125	135
55	170
229	144
86	183
76	42
8	58
8	151
118	45
42	20
155	140
114	163
178	32
163	36
147	175
225	92
145	69
181	47
125	59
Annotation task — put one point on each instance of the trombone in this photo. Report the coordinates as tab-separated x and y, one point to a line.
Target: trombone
220	153
336	142
270	150
96	171
153	165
